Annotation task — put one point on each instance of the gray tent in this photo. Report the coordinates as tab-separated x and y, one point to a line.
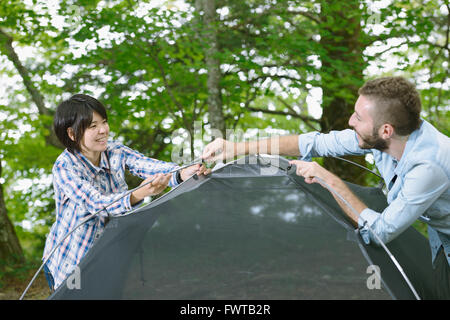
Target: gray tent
252	229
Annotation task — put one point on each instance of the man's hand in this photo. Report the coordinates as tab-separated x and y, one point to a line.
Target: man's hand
311	170
219	149
197	169
157	186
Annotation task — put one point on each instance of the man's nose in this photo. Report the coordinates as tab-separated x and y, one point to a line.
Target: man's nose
350	120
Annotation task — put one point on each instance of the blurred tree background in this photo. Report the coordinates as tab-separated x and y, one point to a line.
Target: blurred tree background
174	74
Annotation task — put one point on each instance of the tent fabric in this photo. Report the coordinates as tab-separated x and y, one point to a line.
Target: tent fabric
252	229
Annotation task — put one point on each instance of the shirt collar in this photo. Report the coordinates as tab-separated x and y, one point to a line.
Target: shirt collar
104	161
92	169
409	146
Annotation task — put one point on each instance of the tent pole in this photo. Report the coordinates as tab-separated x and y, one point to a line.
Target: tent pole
391	256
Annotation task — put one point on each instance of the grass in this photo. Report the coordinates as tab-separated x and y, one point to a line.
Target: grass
15	278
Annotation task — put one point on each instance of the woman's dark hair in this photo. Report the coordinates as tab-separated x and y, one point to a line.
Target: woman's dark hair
76	113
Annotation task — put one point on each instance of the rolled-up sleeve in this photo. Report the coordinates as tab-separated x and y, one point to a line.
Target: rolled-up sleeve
332	144
422	185
144	167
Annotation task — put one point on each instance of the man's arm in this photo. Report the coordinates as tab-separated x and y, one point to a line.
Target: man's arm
221	149
422	186
308	145
314	173
279	145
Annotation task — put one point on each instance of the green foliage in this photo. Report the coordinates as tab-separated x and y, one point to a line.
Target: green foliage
425	29
148	67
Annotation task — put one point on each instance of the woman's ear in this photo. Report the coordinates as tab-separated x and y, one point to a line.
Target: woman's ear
71	134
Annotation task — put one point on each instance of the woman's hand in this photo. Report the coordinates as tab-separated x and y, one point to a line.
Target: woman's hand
159	183
194	169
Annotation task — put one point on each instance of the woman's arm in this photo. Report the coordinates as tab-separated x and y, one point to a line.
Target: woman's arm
145	167
79	188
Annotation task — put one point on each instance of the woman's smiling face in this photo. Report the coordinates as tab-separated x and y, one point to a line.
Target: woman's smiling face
95	138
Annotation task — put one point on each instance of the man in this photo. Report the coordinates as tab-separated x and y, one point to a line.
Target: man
412	156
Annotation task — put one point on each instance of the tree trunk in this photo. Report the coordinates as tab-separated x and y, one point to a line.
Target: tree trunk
342	75
10	249
216	118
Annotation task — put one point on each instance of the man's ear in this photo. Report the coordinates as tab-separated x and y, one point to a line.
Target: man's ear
71	134
386	131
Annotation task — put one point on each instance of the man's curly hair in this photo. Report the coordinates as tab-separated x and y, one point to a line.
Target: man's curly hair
396	101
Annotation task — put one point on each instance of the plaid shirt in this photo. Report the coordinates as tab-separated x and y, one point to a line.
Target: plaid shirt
82	189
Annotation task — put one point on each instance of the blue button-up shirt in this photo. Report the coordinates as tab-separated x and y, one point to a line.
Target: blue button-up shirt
82	189
418	184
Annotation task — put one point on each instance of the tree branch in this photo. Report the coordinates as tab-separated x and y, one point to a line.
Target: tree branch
306	15
307	120
7	49
6	41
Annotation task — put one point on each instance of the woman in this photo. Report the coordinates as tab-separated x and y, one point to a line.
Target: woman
88	176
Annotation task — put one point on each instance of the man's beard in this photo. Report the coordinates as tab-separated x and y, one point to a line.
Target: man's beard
374	142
